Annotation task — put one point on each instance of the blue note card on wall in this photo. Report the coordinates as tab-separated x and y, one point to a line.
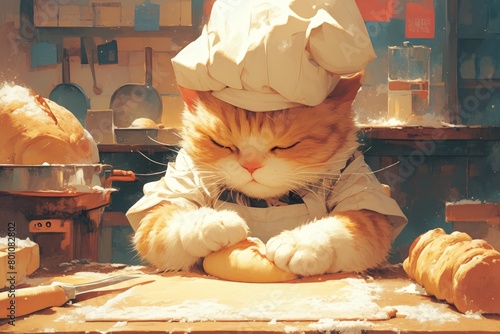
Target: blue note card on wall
147	17
43	54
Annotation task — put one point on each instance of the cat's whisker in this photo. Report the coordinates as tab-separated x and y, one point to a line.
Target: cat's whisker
214	182
376	170
319	173
178	135
366	150
217	197
320	164
208	176
152	160
150	174
316	195
386	167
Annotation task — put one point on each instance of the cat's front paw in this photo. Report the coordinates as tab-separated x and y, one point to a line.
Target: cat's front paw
302	257
210	230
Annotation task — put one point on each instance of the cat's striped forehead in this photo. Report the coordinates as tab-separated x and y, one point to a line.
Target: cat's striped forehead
235	123
320	130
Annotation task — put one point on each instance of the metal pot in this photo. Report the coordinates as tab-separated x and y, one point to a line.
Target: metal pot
65	180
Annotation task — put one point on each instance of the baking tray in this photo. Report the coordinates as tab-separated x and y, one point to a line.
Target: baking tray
147	136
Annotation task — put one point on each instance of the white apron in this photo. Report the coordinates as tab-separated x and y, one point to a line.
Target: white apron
265	223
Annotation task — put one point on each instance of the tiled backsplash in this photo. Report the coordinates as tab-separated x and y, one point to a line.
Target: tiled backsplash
17	37
107	13
130	69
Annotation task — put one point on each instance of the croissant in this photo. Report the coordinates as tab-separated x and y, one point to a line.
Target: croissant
456	268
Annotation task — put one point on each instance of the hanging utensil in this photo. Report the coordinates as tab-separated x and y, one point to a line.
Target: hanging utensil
70	95
132	101
90	50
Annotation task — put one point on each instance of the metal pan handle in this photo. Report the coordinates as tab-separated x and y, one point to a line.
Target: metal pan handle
65	67
149	66
119	175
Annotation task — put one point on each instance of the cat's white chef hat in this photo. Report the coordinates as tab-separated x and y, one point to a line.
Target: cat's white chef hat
264	55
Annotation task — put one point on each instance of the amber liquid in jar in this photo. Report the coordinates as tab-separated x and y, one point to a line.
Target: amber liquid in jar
407	98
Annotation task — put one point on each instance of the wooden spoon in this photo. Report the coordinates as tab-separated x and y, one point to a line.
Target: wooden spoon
97	89
90	55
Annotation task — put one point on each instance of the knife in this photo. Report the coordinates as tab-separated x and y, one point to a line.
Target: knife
16	303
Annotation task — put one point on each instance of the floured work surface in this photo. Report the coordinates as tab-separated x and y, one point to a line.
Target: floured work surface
185	298
390	289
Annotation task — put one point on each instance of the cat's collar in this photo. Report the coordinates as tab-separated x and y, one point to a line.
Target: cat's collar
232	196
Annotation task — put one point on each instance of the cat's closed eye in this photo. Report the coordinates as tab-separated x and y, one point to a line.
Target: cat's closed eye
230	148
276	148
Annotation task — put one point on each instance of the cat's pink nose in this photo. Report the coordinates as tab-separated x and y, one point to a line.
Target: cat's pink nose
252	166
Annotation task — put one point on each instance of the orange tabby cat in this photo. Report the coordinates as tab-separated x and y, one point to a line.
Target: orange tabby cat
292	178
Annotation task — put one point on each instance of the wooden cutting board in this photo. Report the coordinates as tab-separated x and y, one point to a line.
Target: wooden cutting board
201	298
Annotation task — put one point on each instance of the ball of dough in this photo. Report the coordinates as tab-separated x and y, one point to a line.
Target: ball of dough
245	262
144	123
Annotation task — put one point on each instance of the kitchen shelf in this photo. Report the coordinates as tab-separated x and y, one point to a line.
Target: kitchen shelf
480	83
118	31
427	133
373	132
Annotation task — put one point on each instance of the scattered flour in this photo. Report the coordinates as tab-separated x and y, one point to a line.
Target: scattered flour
466	201
360	304
390	122
425	313
428	120
90	274
413	289
76	315
347	327
290	329
473	315
120	324
133	268
188	311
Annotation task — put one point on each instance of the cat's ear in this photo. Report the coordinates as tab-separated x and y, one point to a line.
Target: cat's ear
189	96
347	88
192	97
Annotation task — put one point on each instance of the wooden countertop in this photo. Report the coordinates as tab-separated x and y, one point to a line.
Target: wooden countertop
396	291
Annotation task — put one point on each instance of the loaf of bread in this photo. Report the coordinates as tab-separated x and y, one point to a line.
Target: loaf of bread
36	130
456	268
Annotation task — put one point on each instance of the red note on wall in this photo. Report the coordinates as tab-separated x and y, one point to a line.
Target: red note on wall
376	10
420	19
